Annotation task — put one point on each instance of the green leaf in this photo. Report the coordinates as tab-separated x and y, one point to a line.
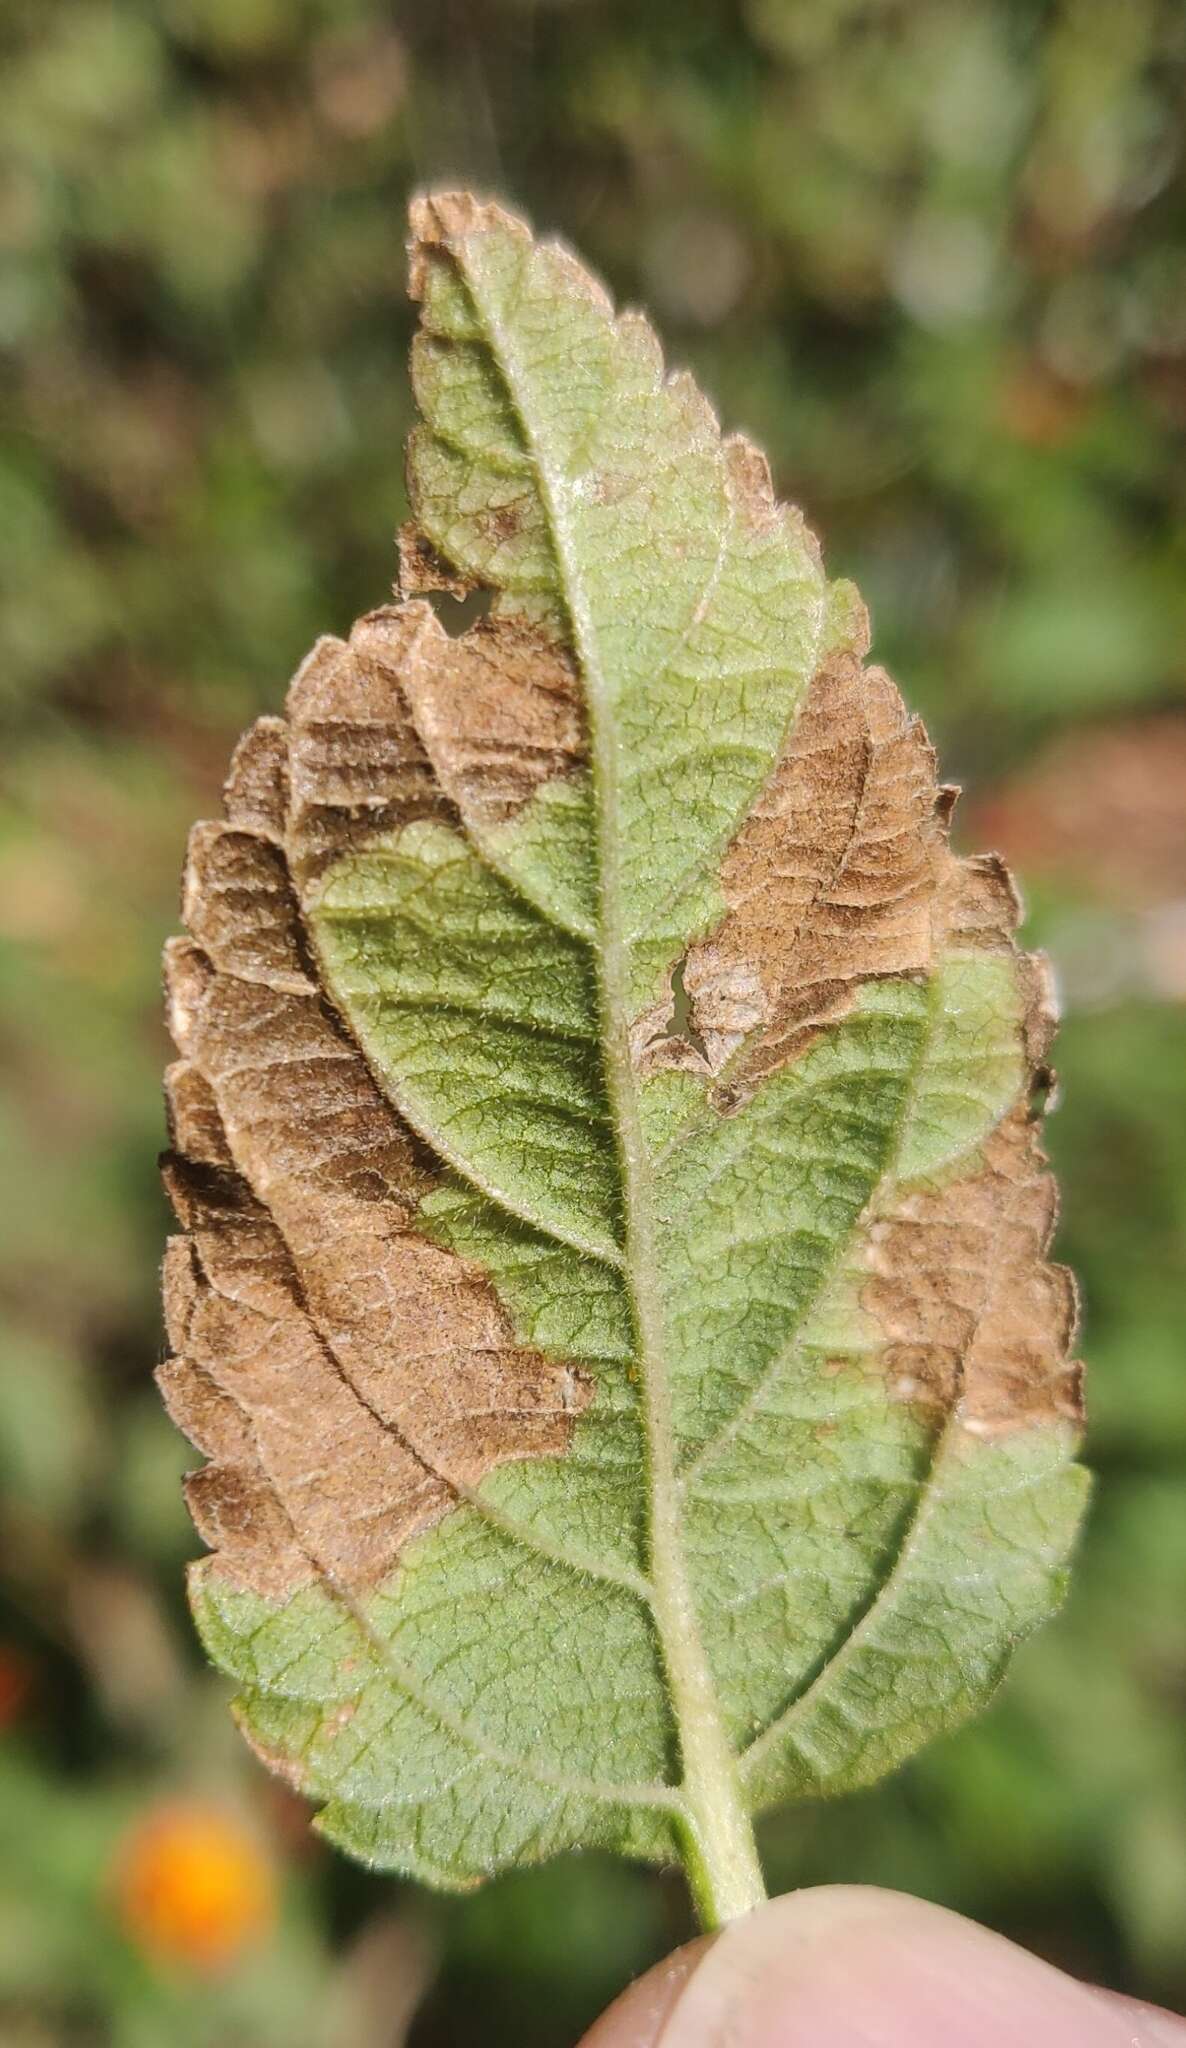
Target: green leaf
613	1299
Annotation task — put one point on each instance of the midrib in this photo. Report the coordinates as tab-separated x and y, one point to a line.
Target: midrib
719	1844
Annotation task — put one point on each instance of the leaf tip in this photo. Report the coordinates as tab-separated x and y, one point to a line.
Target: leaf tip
439	219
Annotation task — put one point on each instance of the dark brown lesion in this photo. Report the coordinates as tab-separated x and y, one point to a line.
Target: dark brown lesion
500	713
302	1480
256	792
841	874
423	569
346	1378
974	1317
830	881
498	708
239	904
405	722
357	768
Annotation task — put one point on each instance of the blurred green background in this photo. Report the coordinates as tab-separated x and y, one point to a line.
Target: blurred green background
932	256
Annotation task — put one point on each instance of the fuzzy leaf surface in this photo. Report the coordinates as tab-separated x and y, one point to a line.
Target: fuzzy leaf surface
612	1297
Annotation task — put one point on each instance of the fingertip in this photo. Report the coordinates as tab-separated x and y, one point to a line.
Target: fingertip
854	1967
637	2019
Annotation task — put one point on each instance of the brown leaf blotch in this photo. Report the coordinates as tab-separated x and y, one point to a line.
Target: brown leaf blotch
421	569
237	902
357	767
840	874
499	713
439	219
349	1379
751	488
195	1127
831	881
974	1316
255	795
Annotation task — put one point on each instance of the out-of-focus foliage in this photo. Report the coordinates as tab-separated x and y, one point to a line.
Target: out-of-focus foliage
934	258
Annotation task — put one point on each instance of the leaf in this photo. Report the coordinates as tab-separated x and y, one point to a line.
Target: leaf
612	1300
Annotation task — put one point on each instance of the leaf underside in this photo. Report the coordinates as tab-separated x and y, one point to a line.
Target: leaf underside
612	1299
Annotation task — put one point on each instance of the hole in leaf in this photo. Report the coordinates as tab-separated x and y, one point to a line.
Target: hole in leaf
1044	1094
458	614
683	1023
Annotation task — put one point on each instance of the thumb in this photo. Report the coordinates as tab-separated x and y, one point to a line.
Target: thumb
849	1967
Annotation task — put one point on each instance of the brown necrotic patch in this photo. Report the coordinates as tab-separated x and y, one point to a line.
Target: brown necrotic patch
347	1379
841	874
498	708
974	1317
438	220
256	792
357	767
404	721
499	712
831	881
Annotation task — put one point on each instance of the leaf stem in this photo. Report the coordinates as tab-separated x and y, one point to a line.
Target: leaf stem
720	1854
719	1850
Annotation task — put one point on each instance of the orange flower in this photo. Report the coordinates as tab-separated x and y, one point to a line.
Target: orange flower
192	1886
